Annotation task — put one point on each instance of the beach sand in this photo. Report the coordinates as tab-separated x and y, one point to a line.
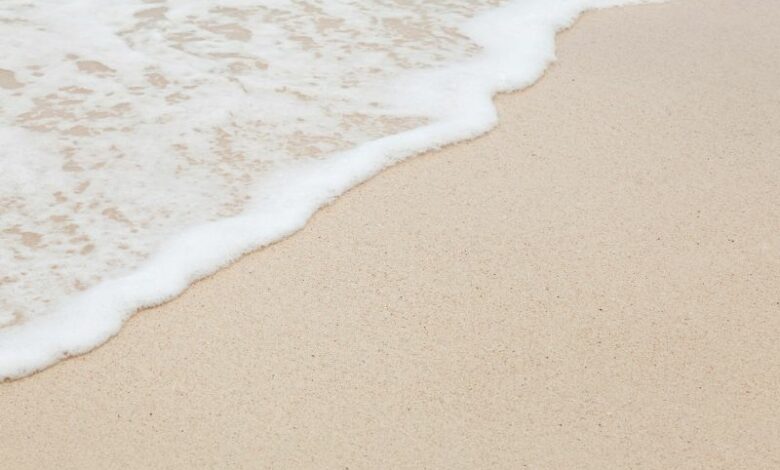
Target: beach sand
594	284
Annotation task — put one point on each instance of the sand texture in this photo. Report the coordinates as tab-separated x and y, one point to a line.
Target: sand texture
595	284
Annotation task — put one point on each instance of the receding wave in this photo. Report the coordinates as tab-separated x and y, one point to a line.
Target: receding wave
145	143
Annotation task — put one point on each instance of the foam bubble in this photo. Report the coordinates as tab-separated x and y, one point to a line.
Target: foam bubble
150	143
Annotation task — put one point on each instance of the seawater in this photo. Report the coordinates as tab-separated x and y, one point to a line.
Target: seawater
146	143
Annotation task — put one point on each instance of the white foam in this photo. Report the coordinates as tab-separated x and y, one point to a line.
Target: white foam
216	120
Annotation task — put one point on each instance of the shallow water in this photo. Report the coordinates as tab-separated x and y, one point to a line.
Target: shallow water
127	128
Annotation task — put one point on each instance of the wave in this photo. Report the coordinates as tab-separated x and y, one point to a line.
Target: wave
150	144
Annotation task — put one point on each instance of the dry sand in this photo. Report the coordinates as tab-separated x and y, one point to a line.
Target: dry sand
595	284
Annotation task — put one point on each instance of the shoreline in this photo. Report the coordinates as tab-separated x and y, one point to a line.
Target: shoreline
591	284
285	199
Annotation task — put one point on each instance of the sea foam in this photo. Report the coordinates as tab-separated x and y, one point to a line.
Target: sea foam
144	144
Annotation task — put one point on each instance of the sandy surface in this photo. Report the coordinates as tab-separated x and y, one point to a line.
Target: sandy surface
595	284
